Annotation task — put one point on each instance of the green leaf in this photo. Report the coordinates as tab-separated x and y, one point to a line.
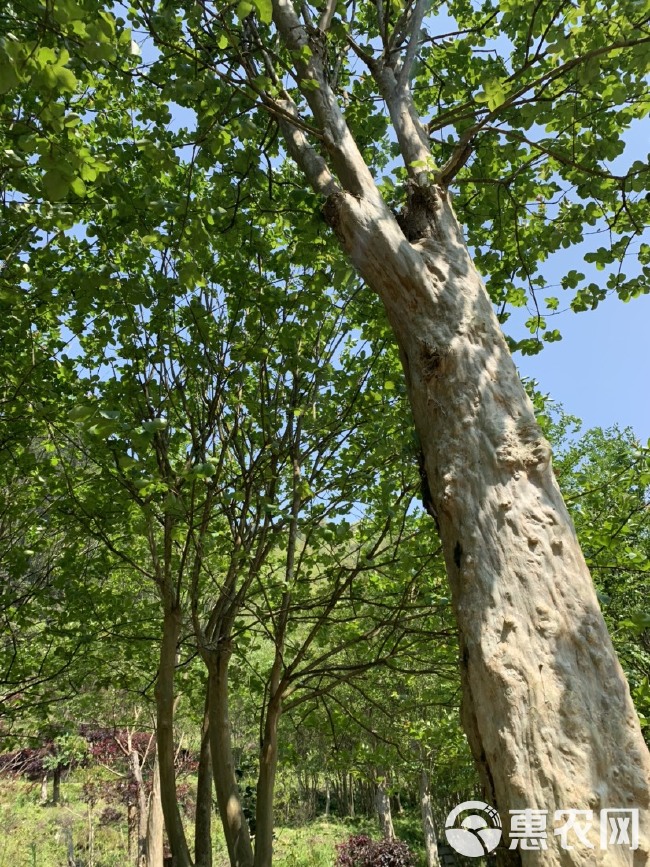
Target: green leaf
9	77
154	425
78	187
244	9
264	10
81	413
55	185
65	79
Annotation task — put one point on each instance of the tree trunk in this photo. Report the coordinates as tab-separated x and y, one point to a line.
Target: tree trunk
90	848
56	785
165	738
155	823
428	825
546	706
234	822
327	796
44	789
382	803
539	673
203	824
351	797
265	787
141	809
69	842
132	831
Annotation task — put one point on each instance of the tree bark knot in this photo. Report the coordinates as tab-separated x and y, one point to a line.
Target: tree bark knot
525	451
418	218
431	358
332	214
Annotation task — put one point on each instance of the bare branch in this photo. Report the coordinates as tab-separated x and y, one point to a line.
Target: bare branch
350	167
307	159
413	37
326	17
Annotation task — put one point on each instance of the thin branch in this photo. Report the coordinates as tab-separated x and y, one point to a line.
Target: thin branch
413	37
326	17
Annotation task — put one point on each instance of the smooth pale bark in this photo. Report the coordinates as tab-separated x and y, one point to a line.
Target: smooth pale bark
165	737
155	824
266	786
132	831
428	825
233	820
382	803
546	706
138	823
203	822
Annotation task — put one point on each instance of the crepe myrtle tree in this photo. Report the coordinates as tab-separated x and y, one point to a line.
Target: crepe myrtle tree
521	109
510	105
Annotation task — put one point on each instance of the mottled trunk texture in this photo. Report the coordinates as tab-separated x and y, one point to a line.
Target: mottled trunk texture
546	706
382	804
155	824
138	823
428	825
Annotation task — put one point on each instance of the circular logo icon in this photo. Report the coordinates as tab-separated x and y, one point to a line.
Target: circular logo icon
477	834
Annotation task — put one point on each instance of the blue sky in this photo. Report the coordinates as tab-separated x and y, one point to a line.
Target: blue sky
600	371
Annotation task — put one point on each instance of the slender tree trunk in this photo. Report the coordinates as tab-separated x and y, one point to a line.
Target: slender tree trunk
351	797
155	823
69	841
382	803
132	830
56	785
139	850
539	673
44	789
165	738
266	786
327	796
428	825
234	822
90	848
203	824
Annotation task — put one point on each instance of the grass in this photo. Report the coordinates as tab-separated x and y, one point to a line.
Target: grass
38	836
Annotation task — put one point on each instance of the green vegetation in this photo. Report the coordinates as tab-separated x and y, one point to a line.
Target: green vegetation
246	503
